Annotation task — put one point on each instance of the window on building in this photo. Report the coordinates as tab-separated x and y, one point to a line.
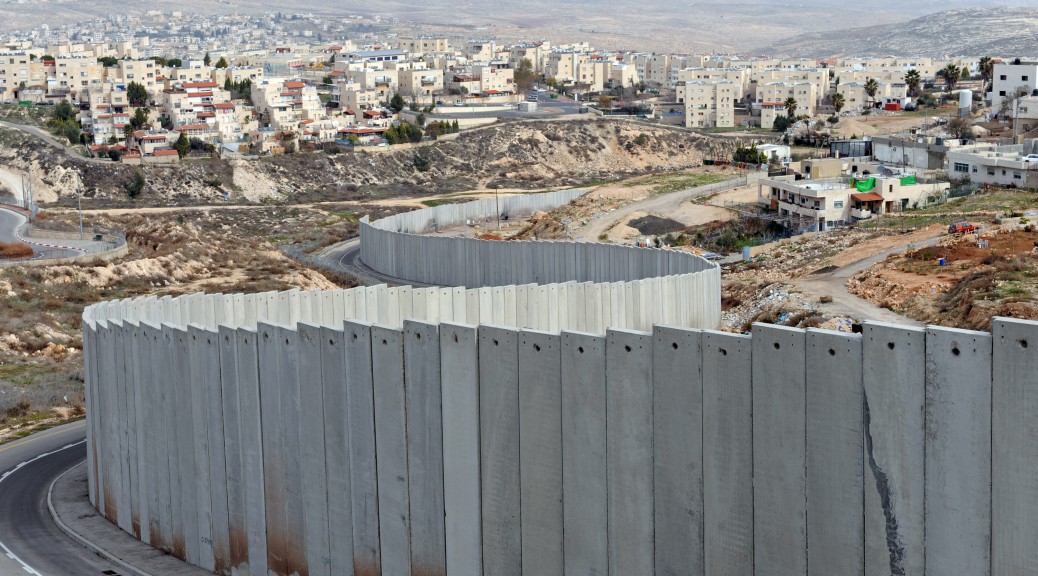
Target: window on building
1016	175
1002	77
837	203
961	167
1023	78
991	172
1001	92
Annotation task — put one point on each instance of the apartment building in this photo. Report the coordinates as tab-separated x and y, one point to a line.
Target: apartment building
771	99
74	73
740	77
1007	78
708	104
657	69
354	96
424	44
14	73
564	66
532	52
140	71
420	85
495	78
816	76
107	113
283	105
856	98
593	73
385	82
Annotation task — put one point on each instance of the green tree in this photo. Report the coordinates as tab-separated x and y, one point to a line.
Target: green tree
175	63
228	85
128	133
791	106
912	80
222	62
326	80
207	59
136	186
140	118
396	103
108	61
524	75
182	145
961	128
782	123
837	101
137	94
987	69
64	111
159	61
950	74
965	72
871	87
552	83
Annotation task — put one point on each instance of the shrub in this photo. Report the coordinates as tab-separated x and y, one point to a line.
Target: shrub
9	250
135	187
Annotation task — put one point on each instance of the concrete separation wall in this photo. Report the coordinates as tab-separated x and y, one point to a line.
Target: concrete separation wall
279	434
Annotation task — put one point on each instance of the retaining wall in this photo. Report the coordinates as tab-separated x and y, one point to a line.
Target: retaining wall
331	447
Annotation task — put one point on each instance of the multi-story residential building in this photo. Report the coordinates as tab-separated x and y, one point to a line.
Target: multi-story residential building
283	105
740	77
140	71
708	104
771	99
532	52
376	56
14	73
74	73
1007	79
563	66
424	44
817	76
107	113
657	70
420	85
494	78
354	96
385	82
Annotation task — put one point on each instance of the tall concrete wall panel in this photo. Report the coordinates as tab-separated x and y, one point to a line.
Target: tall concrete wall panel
779	452
835	524
958	452
893	394
727	454
332	446
1014	427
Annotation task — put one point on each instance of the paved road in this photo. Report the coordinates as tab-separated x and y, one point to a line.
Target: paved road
9	222
345	256
30	542
50	140
835	284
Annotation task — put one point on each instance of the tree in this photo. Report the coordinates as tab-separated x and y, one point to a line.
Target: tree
159	61
781	124
961	128
182	145
524	75
64	111
326	80
221	63
987	69
871	87
396	103
136	186
108	61
791	106
207	59
837	101
912	80
174	62
950	74
551	82
137	94
128	133
140	118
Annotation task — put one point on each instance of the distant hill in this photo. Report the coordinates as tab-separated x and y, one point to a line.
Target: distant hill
1000	31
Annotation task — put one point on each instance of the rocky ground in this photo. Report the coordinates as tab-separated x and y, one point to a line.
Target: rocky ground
975	284
508	155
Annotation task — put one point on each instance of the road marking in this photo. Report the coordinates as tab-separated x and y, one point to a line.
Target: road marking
7	550
40	436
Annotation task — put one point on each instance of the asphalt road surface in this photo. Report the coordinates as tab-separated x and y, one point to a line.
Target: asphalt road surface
30	542
9	222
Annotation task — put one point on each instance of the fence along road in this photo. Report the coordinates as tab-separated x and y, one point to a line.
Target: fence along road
328	433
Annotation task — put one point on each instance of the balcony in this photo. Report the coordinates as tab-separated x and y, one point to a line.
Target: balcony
861	214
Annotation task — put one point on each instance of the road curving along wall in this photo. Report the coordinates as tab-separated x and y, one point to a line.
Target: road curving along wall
402	431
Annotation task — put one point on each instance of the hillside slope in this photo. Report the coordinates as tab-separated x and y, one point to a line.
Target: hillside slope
1001	31
513	155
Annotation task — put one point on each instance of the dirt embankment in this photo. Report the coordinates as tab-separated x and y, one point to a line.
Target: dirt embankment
976	282
511	155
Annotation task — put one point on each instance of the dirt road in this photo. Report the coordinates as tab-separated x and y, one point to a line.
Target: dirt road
834	283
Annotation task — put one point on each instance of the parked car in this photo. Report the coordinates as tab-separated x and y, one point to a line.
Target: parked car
962	228
1030	158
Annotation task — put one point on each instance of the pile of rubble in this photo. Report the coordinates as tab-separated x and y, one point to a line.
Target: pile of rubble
775	304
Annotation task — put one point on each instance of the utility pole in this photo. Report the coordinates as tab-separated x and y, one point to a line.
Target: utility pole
497	204
79	190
